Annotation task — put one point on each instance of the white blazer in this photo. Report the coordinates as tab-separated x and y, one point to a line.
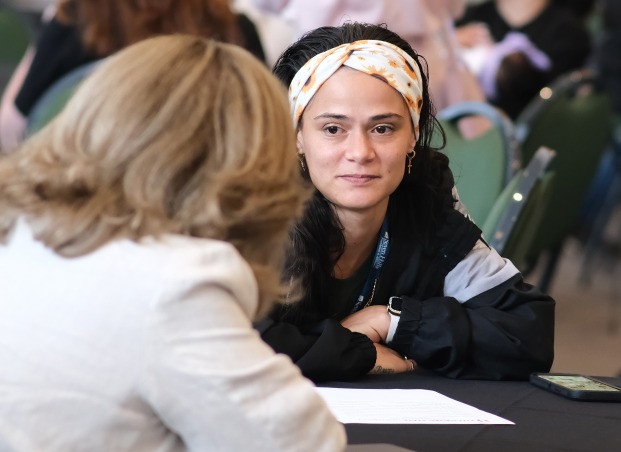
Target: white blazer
145	347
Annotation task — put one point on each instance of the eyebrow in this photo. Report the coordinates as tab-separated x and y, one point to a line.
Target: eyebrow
379	117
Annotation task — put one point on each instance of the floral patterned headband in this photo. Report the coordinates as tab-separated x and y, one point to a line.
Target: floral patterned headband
377	58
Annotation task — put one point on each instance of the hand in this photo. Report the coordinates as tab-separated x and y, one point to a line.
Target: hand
372	321
472	35
389	361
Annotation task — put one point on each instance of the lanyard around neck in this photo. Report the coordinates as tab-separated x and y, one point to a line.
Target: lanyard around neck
378	261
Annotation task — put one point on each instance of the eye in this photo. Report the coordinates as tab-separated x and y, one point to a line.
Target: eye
331	130
383	129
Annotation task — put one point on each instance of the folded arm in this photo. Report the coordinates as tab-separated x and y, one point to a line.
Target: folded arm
490	324
326	351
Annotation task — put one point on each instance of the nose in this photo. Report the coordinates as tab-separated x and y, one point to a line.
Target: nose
360	148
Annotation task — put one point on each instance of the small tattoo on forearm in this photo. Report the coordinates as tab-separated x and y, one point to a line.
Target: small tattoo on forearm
382	370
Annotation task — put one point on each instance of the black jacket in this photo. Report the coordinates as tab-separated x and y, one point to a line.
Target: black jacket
505	332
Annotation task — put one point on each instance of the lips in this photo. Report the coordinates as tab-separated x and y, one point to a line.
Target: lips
358	179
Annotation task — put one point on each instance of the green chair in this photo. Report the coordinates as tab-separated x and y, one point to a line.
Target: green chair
515	218
56	96
14	40
574	117
482	166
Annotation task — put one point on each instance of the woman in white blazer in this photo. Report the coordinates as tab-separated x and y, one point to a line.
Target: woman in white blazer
143	230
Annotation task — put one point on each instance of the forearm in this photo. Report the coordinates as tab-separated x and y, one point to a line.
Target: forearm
330	352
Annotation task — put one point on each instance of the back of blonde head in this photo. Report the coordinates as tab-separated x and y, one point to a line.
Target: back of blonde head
175	134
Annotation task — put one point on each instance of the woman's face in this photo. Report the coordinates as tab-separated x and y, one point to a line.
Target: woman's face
355	134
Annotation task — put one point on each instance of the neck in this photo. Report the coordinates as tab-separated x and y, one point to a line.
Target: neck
518	13
361	233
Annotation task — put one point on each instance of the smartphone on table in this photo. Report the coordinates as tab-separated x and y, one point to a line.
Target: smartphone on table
578	387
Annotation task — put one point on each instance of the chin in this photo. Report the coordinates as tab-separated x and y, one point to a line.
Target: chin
360	205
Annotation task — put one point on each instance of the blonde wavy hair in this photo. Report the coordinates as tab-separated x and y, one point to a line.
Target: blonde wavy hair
174	134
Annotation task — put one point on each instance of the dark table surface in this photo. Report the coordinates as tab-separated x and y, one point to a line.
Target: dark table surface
543	421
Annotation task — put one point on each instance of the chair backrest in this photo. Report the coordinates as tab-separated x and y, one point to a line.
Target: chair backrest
482	165
56	96
513	223
574	119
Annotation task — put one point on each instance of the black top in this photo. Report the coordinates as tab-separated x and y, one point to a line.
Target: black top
346	291
59	50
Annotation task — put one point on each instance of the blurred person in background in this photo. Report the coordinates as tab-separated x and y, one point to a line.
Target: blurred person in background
275	33
141	232
519	46
82	31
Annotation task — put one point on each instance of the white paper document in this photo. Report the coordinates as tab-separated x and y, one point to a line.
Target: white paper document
402	406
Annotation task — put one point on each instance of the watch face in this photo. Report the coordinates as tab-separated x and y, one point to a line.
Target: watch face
394	305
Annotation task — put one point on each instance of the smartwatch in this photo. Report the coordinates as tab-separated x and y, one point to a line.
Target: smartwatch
394	305
394	310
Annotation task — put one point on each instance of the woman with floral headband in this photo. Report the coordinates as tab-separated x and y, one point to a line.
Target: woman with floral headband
394	274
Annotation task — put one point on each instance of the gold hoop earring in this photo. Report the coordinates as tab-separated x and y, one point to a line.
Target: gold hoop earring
301	159
410	156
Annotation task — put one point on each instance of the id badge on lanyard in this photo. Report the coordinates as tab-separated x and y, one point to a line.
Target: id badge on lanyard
366	296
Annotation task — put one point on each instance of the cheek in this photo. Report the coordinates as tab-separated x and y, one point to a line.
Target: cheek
317	152
396	168
318	164
398	159
307	144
